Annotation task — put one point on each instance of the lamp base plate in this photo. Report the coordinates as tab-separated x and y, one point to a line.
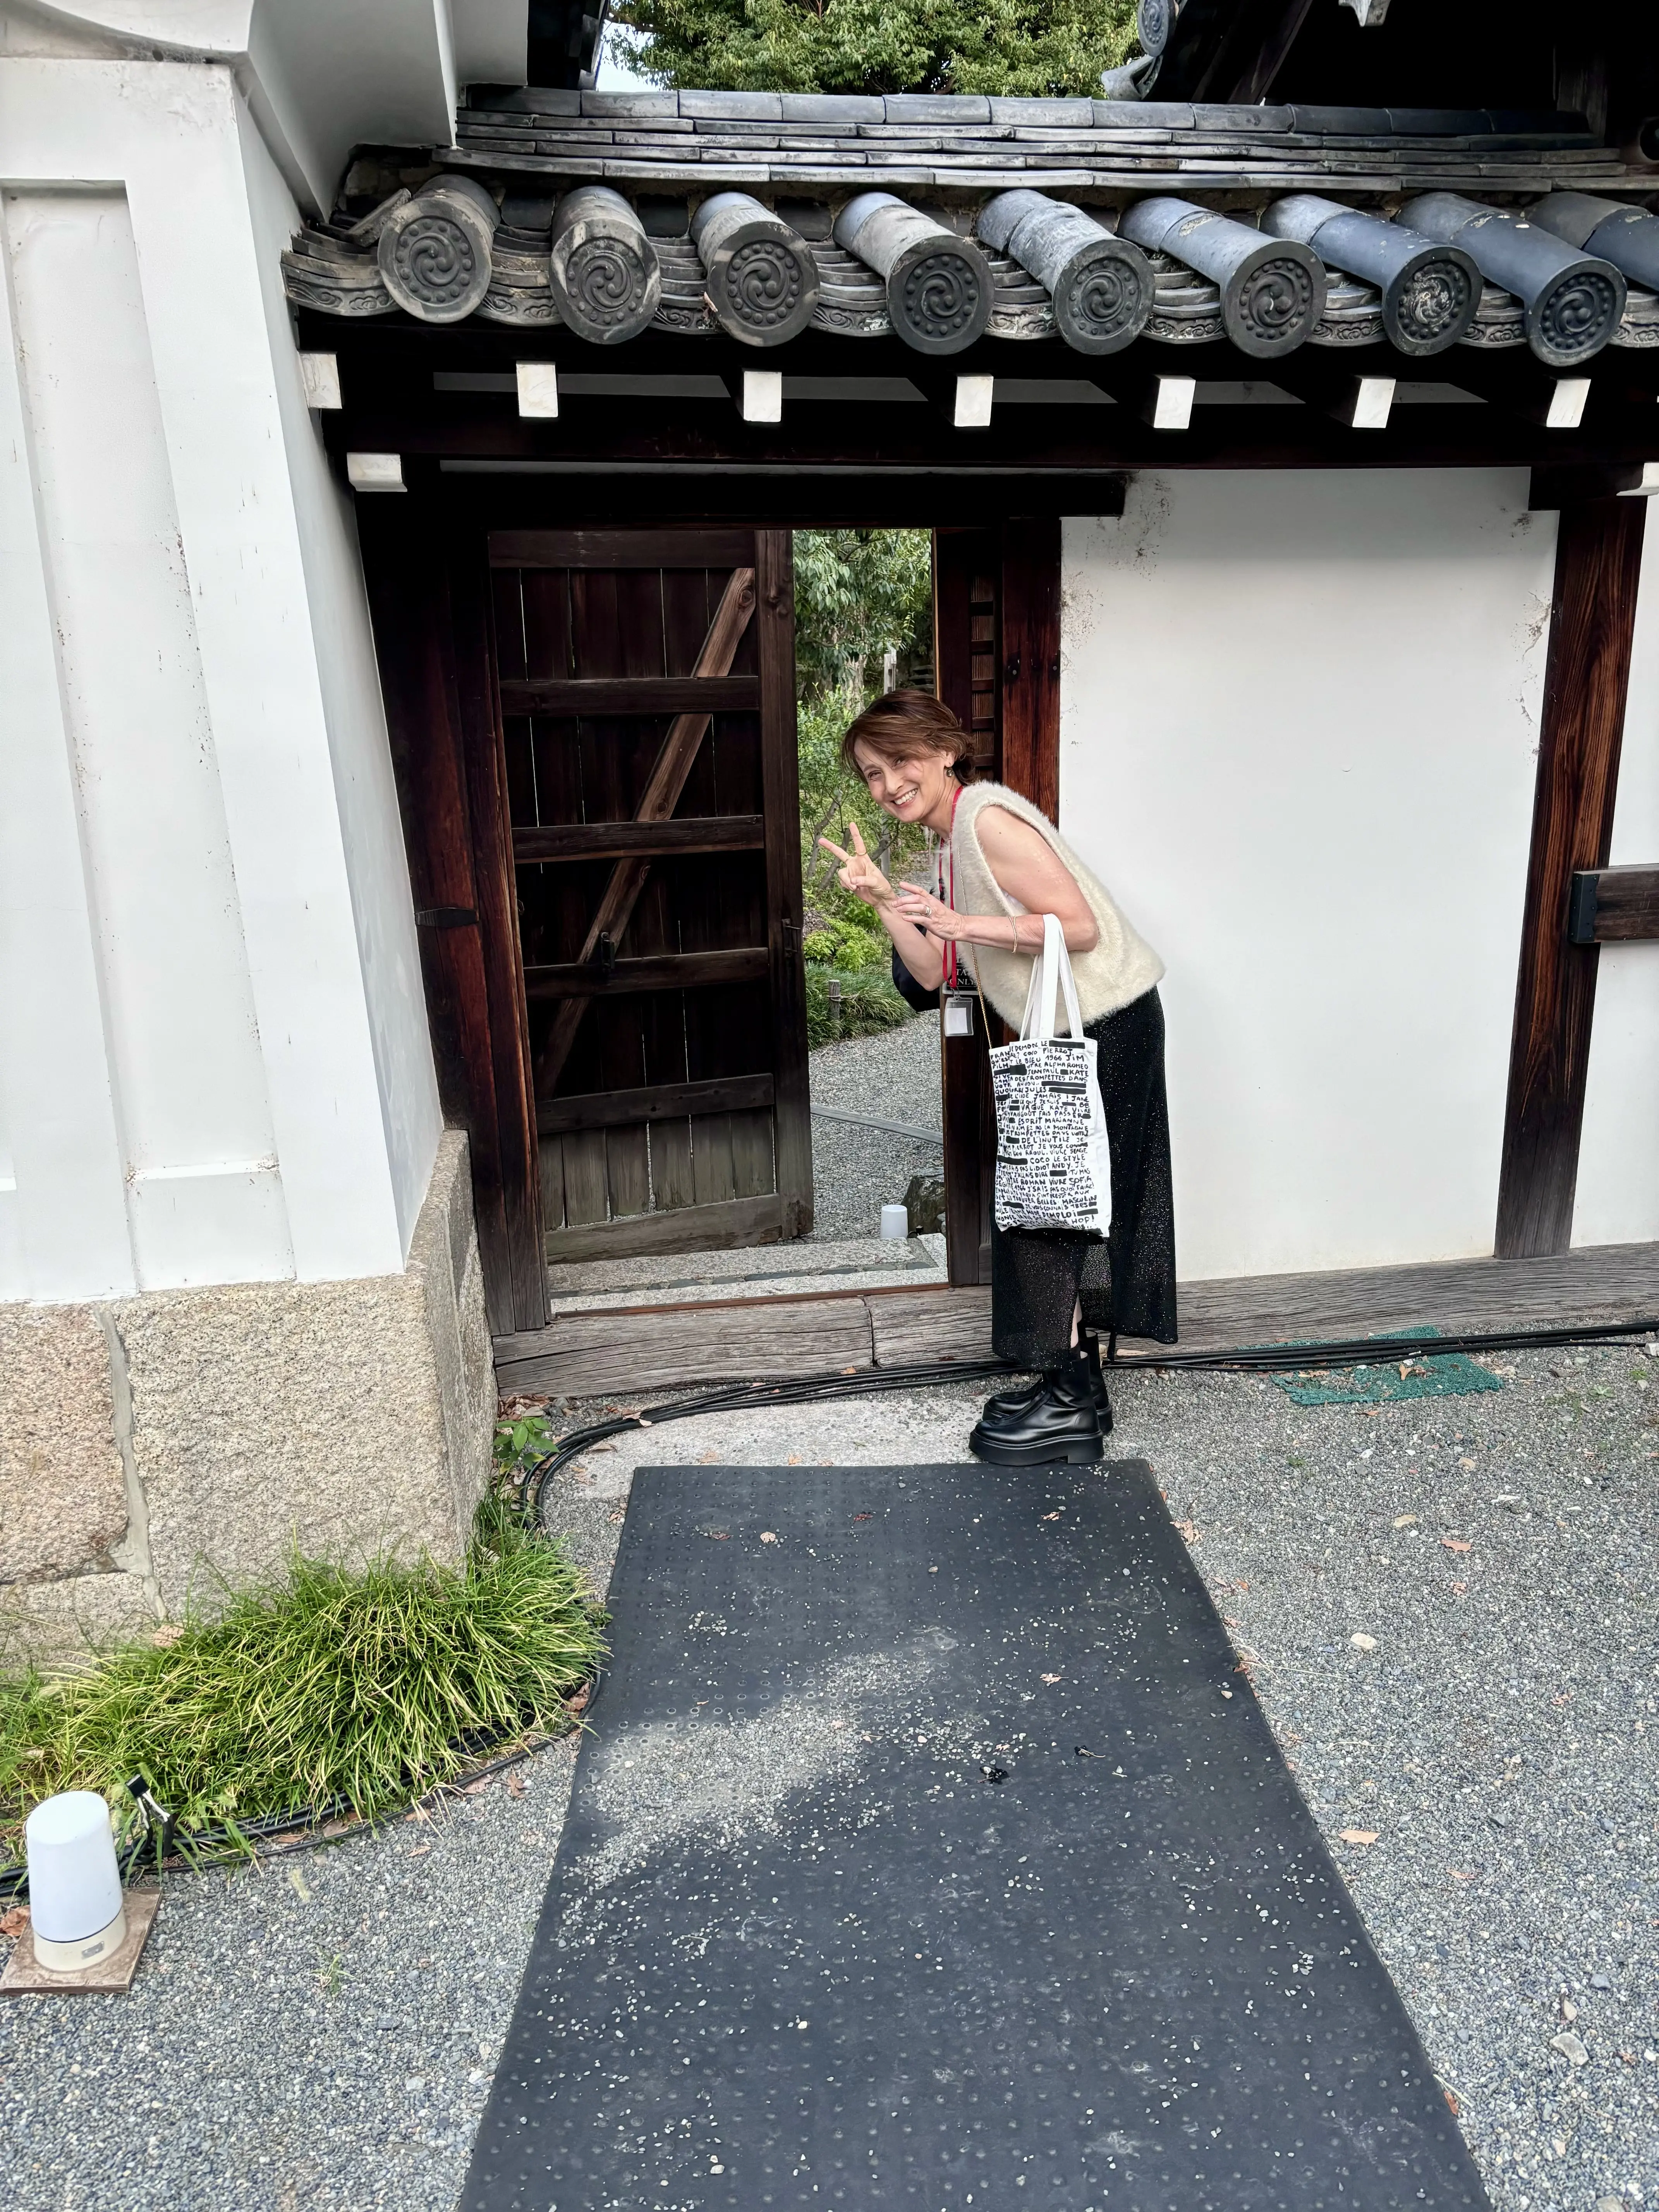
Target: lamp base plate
25	1976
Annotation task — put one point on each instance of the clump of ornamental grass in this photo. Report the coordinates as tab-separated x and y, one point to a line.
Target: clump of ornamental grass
868	1004
369	1686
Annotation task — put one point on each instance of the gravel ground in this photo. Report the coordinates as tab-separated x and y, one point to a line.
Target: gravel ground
333	2050
895	1075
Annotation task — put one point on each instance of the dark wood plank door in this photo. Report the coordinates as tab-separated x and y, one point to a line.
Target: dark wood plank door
647	689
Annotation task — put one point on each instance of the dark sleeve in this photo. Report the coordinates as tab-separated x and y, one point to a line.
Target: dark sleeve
914	994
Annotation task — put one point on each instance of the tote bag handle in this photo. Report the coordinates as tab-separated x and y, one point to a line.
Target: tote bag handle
1051	972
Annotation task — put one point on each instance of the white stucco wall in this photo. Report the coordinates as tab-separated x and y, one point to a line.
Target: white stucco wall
365	790
1299	715
322	75
1617	1201
213	1058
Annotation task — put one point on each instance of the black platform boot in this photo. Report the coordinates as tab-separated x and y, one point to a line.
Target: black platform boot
1091	1346
1055	1426
1013	1405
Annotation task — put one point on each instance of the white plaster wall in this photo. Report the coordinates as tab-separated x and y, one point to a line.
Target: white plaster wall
199	1150
365	792
212	1054
1617	1201
322	75
1299	715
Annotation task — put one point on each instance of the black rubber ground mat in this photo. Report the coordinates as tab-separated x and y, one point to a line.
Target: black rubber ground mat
930	1852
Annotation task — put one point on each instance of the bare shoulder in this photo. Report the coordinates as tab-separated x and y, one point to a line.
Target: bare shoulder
1003	836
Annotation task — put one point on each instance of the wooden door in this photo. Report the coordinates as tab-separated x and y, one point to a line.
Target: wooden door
648	699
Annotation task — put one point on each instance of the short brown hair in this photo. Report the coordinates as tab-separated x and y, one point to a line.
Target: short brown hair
905	723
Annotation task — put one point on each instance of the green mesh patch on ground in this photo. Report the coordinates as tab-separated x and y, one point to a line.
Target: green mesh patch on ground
1442	1375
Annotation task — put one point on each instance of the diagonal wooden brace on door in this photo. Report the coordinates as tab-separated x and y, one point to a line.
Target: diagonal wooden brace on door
657	803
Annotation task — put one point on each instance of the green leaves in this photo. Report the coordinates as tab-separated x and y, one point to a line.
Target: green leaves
1009	46
868	1003
335	1684
859	594
523	1439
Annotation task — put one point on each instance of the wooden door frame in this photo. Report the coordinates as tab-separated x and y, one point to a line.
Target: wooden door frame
1598	562
428	601
1024	554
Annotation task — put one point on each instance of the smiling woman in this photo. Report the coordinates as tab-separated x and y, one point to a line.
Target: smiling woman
1003	867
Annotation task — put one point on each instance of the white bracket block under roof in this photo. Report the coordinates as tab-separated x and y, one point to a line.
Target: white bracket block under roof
538	389
375	471
762	395
1171	407
973	406
320	373
1567	402
1371	403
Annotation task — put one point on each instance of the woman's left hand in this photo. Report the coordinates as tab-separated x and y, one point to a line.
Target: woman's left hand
928	912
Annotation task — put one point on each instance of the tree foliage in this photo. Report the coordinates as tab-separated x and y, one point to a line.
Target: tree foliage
860	594
1045	47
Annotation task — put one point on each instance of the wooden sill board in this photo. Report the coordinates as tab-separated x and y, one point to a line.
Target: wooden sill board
623	1351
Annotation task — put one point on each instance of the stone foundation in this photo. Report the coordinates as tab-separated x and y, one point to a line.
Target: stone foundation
153	1448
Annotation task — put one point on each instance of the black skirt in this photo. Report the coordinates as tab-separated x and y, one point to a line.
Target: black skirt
1126	1282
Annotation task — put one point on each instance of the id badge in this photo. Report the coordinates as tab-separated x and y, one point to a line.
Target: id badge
958	1013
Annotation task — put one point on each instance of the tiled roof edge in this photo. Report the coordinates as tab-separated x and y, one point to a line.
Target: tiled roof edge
848	111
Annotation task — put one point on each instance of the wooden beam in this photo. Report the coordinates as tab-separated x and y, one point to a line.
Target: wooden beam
969	1117
1076	448
1614	906
1031	661
653	1102
717	1228
608	840
792	1126
1615	1283
579	981
587	1354
631	695
598	548
496	901
659	799
1592	615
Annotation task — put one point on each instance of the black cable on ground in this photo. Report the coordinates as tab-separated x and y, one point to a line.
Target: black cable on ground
1247	1360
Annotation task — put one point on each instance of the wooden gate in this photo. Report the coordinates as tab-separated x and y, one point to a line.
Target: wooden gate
646	687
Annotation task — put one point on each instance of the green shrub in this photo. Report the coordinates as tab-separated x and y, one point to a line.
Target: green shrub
868	1003
850	947
331	1684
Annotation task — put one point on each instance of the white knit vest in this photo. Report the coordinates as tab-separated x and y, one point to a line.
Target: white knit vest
1122	966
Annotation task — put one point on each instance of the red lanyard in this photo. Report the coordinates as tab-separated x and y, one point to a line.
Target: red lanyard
948	897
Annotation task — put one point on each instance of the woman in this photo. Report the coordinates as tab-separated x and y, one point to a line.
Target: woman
1003	866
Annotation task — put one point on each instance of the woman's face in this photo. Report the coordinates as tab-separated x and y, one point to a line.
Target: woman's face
908	788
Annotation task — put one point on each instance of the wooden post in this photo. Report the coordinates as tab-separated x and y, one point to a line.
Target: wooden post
775	588
1597	564
431	632
1030	660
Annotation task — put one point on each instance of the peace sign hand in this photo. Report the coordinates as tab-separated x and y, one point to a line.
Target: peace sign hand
858	872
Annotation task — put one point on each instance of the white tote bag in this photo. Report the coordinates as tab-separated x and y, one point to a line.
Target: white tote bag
1054	1166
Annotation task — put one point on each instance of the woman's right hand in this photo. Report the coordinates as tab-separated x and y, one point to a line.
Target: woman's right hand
858	872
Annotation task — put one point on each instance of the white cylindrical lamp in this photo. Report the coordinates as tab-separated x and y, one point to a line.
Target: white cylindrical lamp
76	1915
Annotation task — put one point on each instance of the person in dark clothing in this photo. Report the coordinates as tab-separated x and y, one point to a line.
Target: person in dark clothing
1002	866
